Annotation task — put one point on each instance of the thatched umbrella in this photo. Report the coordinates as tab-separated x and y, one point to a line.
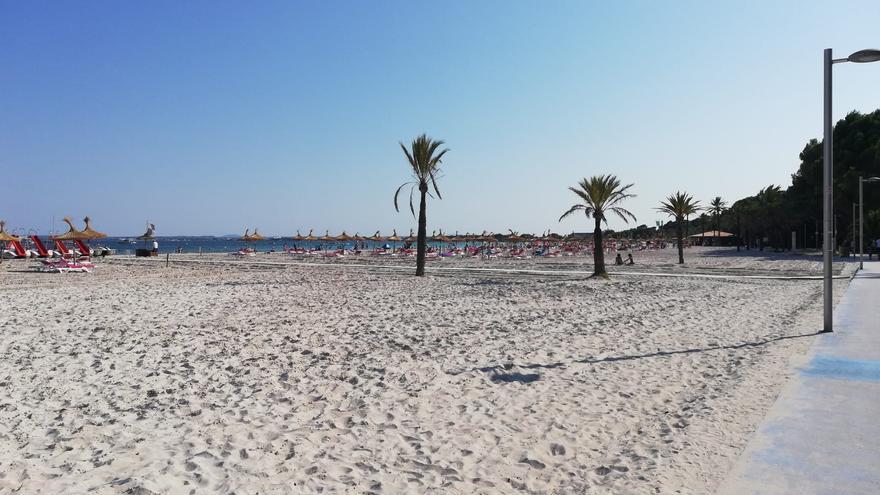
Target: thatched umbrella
72	234
93	234
310	237
148	235
247	238
487	237
5	237
256	236
441	238
411	238
298	236
394	238
376	238
326	237
343	237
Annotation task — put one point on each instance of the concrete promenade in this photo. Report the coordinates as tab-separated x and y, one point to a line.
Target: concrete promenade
822	436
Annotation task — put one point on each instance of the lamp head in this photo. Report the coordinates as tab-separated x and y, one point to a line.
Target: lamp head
865	56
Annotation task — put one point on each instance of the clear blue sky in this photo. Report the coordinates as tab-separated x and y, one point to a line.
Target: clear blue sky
209	117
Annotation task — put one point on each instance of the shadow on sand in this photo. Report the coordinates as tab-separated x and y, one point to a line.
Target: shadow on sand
499	374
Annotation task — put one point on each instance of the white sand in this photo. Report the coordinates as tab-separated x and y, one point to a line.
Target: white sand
142	379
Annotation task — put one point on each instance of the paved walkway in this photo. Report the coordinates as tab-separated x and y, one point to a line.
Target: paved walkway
822	436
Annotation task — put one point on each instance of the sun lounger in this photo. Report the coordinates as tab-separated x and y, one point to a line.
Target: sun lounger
64	266
82	248
42	252
15	250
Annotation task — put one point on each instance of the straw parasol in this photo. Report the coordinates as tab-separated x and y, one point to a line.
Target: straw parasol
246	237
410	237
486	237
393	239
298	236
327	237
441	238
514	237
148	235
93	234
310	237
256	236
343	237
376	237
4	236
72	234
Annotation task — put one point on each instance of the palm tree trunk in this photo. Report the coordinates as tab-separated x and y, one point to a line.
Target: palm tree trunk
680	241
598	251
421	241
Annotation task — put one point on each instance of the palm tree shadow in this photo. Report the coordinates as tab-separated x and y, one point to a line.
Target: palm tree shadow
500	376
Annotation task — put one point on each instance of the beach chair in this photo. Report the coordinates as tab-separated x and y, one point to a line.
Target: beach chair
16	250
62	248
42	252
64	266
83	249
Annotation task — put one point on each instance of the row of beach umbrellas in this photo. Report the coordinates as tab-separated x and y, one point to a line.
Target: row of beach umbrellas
434	237
72	234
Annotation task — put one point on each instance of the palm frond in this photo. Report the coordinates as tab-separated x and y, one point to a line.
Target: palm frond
680	205
571	210
424	159
396	193
601	194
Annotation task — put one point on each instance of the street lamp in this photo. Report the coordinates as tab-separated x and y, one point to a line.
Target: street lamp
861	56
862	218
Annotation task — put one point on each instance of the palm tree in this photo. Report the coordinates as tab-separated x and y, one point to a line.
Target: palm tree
425	161
717	206
680	205
601	195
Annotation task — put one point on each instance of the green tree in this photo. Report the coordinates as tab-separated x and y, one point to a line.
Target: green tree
717	206
856	153
601	195
770	205
679	206
424	160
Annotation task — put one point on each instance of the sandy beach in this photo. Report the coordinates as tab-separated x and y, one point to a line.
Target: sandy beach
285	378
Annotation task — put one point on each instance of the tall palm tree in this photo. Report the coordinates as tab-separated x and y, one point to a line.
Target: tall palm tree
424	159
717	206
600	195
680	205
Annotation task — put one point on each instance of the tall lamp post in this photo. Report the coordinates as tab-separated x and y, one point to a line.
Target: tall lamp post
861	56
862	218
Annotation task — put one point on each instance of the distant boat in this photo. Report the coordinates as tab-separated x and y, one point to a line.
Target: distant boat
126	240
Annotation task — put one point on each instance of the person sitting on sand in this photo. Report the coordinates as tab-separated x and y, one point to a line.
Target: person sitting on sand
618	260
629	259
